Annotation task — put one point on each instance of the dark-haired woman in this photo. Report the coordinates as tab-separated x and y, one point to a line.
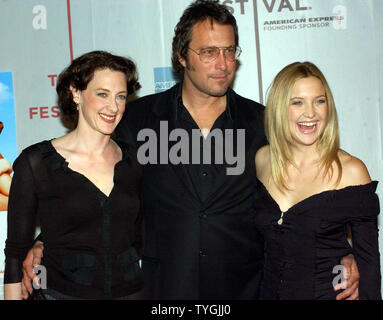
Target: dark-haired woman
84	187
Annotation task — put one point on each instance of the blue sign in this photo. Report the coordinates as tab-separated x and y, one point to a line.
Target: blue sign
163	79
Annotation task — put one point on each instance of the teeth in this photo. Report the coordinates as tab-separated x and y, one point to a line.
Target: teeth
107	117
307	124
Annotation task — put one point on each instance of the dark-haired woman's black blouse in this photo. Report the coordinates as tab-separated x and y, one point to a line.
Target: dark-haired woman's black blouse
89	238
303	251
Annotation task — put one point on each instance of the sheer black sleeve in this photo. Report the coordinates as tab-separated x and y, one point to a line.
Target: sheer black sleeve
21	219
366	249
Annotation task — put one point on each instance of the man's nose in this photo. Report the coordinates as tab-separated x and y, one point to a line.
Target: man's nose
221	61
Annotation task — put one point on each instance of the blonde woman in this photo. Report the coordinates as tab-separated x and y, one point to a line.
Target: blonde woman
310	193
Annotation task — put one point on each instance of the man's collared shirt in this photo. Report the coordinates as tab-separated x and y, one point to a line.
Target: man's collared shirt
203	175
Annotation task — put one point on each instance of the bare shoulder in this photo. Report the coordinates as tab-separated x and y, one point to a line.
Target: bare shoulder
61	142
262	156
262	160
64	145
354	171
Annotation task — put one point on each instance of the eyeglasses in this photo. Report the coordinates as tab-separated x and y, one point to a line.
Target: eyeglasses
209	54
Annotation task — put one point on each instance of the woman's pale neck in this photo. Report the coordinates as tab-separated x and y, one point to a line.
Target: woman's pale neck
305	155
89	142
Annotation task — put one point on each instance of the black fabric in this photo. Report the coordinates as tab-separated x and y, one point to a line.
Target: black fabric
197	248
203	175
300	253
84	230
50	294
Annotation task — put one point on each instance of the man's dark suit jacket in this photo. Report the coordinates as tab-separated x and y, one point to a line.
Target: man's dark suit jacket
194	249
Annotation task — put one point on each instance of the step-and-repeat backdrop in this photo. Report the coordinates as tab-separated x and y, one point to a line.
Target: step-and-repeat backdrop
40	37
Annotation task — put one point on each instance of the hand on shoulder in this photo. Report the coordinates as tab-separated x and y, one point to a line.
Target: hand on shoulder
354	171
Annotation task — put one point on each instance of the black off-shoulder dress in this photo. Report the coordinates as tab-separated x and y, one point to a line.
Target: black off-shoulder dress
304	245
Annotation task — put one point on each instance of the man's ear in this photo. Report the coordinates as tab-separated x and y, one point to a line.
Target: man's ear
181	60
75	94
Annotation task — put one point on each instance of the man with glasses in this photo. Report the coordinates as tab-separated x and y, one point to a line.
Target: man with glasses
199	241
198	236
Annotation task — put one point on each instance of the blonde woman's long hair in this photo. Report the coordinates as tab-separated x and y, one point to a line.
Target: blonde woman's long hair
277	126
